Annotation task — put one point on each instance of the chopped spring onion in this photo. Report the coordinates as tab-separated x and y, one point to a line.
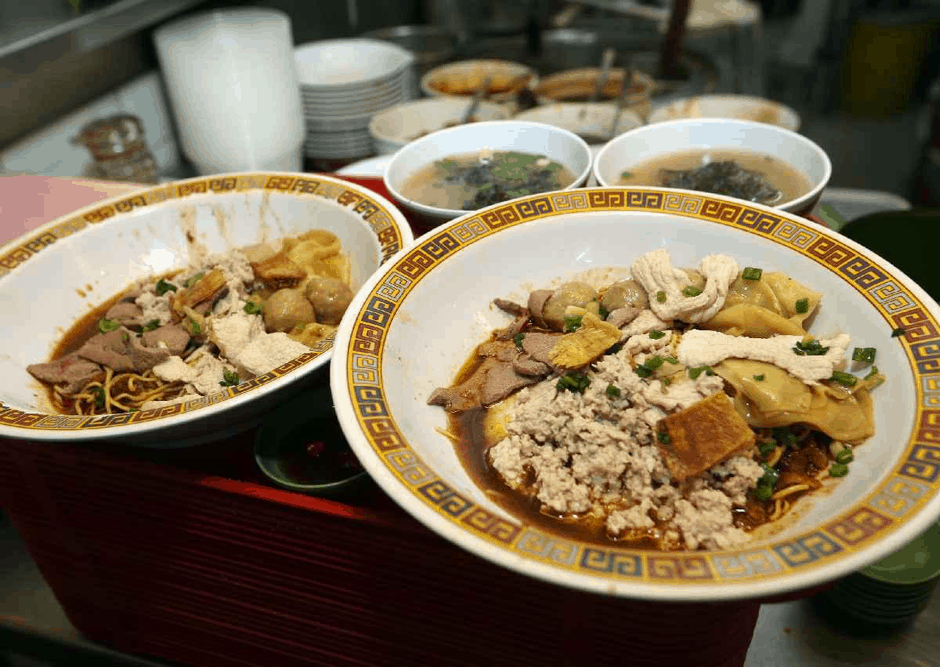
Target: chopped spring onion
838	470
812	348
763	493
691	291
253	307
518	338
770	476
573	382
864	354
654	362
784	435
229	378
672	360
695	372
845	456
872	373
151	325
194	327
667	382
647	368
105	325
99	396
843	378
766	447
664	437
750	273
802	306
572	323
656	335
897	332
612	391
163	287
602	312
759	378
615	348
661	296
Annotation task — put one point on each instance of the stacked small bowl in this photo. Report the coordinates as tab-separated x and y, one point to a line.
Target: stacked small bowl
891	592
343	83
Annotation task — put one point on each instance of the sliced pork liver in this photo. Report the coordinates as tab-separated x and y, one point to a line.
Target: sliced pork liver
493	381
526	365
125	312
622	316
466	395
174	335
510	307
501	350
71	371
537	345
144	357
518	324
122	351
502	380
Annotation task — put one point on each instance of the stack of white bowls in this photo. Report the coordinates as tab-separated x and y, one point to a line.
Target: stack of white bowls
343	83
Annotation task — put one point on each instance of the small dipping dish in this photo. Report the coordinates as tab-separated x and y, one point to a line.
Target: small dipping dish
300	447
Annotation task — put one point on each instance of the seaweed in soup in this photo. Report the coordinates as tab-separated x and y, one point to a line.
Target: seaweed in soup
504	176
471	182
724	177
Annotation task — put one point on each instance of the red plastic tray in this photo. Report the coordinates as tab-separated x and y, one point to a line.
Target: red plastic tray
186	555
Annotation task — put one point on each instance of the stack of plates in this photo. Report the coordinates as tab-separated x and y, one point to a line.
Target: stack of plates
343	83
892	591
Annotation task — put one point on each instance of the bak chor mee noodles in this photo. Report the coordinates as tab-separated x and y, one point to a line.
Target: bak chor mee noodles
226	319
671	409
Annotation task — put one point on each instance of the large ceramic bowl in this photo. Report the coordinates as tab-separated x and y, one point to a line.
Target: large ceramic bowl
419	317
740	107
393	128
650	141
462	79
577	85
60	271
589	121
561	146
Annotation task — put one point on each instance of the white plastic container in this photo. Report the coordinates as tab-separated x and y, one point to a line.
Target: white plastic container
231	77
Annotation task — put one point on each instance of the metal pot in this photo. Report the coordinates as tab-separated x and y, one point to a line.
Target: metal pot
568	48
430	45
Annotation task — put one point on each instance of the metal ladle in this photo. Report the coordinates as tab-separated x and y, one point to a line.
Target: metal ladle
475	102
607	61
628	76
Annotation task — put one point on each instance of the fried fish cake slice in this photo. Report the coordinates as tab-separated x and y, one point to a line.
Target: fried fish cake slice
696	438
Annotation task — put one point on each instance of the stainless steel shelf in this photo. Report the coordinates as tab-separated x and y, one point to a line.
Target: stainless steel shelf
38	22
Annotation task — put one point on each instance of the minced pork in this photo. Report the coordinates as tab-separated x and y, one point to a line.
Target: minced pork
595	454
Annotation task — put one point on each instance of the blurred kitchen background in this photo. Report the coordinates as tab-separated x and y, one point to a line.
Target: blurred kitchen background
862	73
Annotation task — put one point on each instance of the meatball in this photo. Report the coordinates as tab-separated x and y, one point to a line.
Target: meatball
330	298
570	294
285	309
623	294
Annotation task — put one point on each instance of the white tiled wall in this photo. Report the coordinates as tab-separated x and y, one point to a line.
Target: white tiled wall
51	152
